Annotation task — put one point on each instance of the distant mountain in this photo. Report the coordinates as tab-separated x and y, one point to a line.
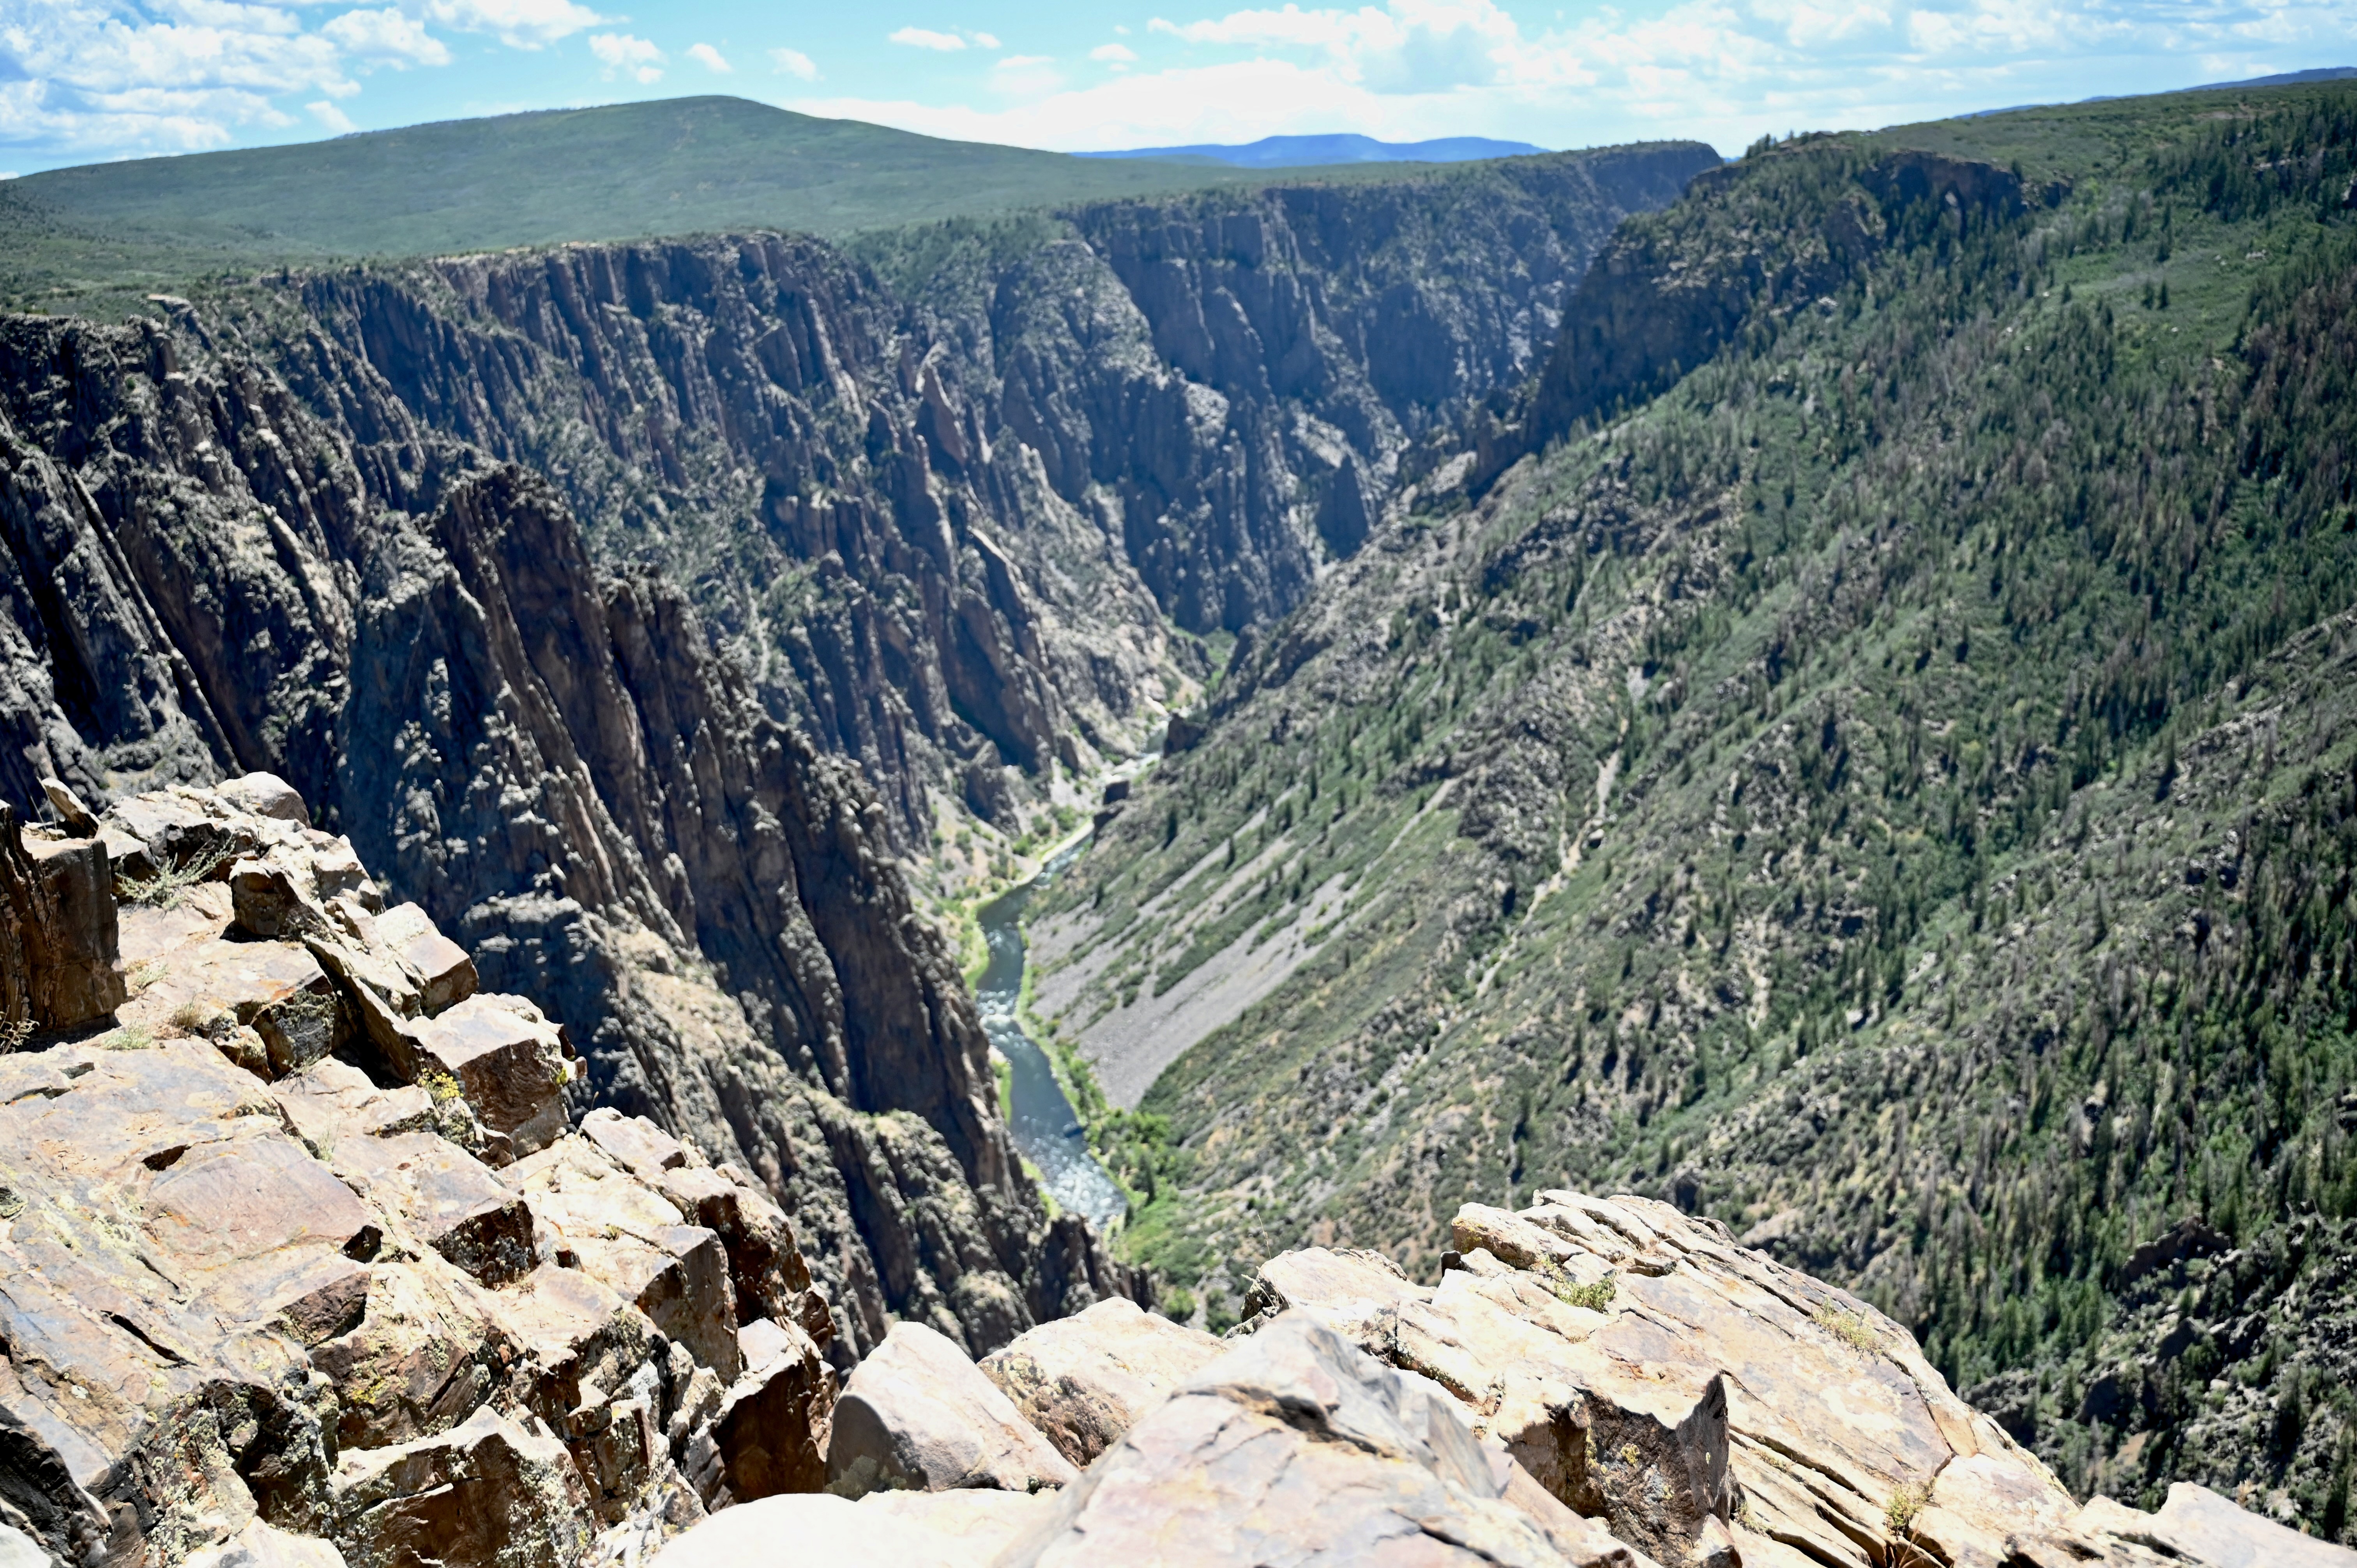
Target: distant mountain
2288	78
678	166
1297	152
2282	79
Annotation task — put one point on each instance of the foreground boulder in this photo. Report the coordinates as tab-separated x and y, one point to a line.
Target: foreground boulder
300	1264
957	1529
59	965
1296	1447
1709	1404
918	1416
1084	1381
485	1491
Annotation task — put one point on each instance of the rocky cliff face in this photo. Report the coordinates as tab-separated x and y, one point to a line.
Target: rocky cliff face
296	1240
567	585
207	576
947	508
1602	1383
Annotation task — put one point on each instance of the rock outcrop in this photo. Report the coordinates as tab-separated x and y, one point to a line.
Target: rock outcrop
918	1416
304	1244
1087	1379
1296	1447
1604	1383
551	763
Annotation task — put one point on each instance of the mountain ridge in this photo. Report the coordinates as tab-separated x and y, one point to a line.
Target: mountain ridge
1332	147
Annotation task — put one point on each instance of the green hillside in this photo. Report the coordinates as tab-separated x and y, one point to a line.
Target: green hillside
681	165
1883	774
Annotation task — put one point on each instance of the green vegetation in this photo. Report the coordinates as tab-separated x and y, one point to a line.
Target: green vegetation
1893	789
1849	1328
1596	1296
164	890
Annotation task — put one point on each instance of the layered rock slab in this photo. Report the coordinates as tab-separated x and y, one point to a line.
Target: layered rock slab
1084	1381
918	1416
1294	1448
1702	1400
250	1297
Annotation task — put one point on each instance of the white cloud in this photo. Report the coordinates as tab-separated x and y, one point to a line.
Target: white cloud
96	77
520	24
1413	46
926	38
84	76
619	52
984	40
333	118
709	59
793	62
1025	76
388	36
1720	70
1114	54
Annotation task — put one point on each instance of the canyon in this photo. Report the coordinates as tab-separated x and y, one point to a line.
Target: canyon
1810	691
647	612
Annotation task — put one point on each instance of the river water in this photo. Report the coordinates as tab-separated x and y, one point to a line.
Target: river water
1046	1129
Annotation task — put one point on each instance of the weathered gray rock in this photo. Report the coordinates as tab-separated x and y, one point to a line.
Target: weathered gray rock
486	1491
266	903
446	974
507	1058
332	1101
917	1415
773	1424
265	795
445	1199
1705	1402
607	1224
1298	1447
59	961
2204	1525
76	817
1351	1291
1085	1379
2195	1525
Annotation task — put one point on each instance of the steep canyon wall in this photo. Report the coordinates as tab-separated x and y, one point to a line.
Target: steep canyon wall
636	608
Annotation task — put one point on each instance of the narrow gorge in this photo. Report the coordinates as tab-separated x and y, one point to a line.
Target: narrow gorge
1000	887
651	613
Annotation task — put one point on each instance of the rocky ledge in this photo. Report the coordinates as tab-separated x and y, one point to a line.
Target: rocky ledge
298	1239
304	1262
1605	1383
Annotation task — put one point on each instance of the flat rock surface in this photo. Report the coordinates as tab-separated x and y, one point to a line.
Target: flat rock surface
1294	1448
902	1530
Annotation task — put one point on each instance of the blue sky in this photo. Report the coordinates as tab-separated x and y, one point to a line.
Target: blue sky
83	80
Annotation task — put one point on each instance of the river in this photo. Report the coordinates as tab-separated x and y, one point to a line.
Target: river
1046	1129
